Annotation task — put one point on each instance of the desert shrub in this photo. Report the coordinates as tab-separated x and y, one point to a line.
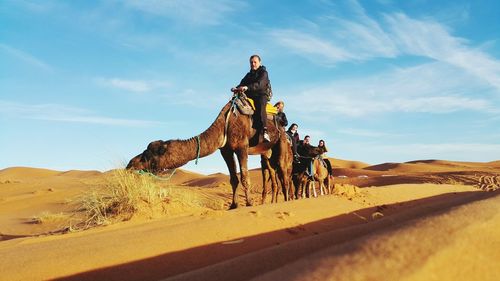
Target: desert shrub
124	195
346	190
47	217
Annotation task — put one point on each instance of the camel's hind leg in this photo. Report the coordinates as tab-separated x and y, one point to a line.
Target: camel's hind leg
231	165
265	174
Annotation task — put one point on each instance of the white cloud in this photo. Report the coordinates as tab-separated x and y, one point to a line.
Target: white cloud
138	86
27	58
61	113
431	39
432	88
188	11
306	44
451	150
366	133
361	38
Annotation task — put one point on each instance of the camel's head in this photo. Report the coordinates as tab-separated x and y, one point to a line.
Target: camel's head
156	158
310	151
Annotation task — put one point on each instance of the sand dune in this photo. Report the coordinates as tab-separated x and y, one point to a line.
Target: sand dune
410	221
349	164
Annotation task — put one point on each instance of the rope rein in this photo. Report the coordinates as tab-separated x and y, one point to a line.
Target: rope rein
198	144
147	173
197	149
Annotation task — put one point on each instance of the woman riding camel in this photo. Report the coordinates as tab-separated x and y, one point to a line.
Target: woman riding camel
326	160
294	135
255	84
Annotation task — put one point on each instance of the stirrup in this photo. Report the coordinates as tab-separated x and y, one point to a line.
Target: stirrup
266	137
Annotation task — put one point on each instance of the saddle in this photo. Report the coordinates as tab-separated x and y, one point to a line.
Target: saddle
246	106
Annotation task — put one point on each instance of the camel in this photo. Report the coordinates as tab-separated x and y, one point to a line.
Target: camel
300	176
322	176
232	134
269	166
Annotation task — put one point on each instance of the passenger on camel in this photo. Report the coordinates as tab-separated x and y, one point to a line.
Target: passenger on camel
304	144
281	116
256	85
324	157
294	136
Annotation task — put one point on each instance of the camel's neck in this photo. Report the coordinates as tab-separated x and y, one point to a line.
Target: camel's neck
204	144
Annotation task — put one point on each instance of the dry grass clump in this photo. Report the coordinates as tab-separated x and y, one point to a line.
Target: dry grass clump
182	199
125	194
346	190
47	217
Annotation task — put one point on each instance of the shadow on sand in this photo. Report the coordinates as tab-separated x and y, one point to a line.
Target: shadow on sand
249	256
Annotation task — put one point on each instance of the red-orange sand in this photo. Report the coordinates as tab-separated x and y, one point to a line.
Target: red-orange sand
422	220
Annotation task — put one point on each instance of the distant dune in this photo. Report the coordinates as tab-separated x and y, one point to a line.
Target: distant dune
419	220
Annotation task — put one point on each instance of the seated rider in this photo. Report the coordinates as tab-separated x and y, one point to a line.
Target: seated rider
294	135
281	116
323	157
305	144
255	84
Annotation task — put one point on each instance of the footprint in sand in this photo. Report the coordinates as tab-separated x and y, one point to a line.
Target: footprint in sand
256	213
284	215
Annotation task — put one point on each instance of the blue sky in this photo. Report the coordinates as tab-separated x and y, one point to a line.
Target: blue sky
88	84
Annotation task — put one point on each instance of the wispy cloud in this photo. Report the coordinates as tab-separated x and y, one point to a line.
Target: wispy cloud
360	38
25	57
306	44
61	113
448	150
138	86
366	133
431	88
433	40
188	11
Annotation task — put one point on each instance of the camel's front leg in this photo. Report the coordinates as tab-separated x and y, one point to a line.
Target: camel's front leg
282	175
328	184
313	187
231	165
242	155
321	186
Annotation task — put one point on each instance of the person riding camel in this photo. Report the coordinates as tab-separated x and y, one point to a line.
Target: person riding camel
324	157
294	136
281	116
256	84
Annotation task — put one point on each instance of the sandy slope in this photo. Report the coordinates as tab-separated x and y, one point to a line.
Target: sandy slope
411	231
460	244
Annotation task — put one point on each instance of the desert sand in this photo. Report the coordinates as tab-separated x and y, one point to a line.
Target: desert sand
419	220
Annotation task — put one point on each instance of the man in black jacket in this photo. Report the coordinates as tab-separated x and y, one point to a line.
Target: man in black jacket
255	84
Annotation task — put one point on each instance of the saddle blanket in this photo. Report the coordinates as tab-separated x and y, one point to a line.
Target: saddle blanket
270	109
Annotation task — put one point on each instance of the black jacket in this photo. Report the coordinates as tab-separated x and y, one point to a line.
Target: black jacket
281	118
257	82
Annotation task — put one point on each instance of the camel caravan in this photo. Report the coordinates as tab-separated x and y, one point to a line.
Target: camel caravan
249	125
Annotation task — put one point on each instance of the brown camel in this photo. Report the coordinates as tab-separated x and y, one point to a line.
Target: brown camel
300	170
278	169
322	176
232	134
